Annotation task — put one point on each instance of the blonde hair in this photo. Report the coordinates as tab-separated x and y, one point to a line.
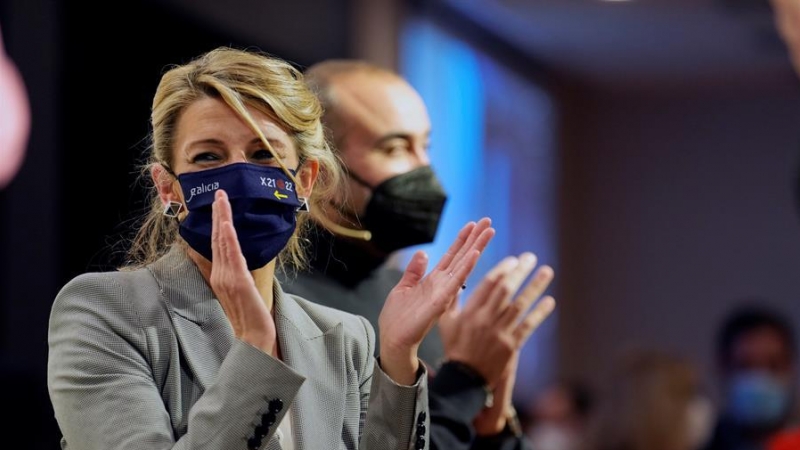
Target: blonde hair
645	405
242	79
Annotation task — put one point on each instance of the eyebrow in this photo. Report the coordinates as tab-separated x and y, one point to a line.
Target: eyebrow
275	143
398	135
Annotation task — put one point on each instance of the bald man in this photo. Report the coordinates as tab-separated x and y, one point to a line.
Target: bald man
380	128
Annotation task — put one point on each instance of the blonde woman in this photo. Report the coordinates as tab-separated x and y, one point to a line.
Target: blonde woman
652	401
194	345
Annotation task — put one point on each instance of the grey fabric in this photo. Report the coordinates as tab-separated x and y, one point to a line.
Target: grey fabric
147	359
452	412
366	299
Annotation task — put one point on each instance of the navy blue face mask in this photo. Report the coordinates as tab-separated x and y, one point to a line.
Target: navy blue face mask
263	201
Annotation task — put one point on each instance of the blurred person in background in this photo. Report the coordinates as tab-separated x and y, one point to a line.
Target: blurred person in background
652	400
786	14
558	415
393	200
15	118
757	364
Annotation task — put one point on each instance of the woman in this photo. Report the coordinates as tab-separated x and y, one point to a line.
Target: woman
193	344
652	402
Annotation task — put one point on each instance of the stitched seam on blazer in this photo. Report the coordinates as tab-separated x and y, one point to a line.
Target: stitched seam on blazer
125	290
369	353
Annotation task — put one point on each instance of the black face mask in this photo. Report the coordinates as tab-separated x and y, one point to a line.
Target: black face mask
404	210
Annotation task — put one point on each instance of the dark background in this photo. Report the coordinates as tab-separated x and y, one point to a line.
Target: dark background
677	134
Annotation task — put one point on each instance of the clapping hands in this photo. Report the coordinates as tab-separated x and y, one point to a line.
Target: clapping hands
419	299
490	331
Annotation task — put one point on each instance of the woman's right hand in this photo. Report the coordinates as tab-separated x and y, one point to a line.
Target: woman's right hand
233	284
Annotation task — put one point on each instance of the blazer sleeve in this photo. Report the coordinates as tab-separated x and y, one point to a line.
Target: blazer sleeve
397	417
104	394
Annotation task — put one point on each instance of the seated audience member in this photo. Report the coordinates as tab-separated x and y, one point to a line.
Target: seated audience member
392	200
557	417
756	359
652	401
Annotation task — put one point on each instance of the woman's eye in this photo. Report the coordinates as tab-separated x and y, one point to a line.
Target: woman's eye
205	157
262	155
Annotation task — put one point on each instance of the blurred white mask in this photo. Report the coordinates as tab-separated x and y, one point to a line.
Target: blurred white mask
553	436
701	419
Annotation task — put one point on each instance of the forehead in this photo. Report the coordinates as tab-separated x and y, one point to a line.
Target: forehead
211	118
759	344
381	104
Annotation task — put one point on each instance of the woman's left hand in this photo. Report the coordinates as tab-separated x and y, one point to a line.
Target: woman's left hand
416	303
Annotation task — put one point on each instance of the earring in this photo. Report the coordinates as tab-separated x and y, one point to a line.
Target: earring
304	206
172	209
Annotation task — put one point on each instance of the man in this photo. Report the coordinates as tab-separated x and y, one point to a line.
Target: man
786	16
380	127
757	362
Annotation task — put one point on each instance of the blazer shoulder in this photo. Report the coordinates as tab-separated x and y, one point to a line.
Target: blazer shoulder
124	292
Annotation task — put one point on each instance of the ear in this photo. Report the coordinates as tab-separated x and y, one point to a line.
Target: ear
307	176
166	184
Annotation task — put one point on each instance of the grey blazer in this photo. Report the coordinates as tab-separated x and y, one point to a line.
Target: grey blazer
146	359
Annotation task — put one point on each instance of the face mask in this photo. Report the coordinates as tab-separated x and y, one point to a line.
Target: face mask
700	417
758	399
263	202
404	210
551	436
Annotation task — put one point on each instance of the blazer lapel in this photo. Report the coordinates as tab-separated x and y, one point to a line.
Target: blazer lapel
199	321
200	324
318	411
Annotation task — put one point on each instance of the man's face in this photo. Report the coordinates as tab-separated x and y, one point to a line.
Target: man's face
759	380
385	131
762	349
